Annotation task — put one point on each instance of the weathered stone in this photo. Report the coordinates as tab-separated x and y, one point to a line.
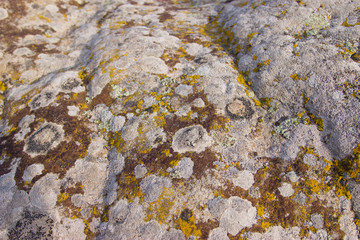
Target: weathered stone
193	138
218	234
3	14
32	171
286	190
184	168
140	171
43	194
240	108
33	225
47	137
152	187
238	215
183	90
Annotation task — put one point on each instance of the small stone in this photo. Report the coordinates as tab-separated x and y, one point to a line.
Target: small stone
198	102
117	123
185	168
32	171
184	90
43	194
218	234
3	14
73	111
52	8
173	234
140	171
152	187
47	137
239	215
300	198
286	190
24	51
244	179
310	159
217	206
194	138
292	176
130	130
317	220
117	162
42	100
240	108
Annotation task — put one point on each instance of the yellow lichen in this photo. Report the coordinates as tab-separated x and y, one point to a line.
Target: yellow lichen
189	228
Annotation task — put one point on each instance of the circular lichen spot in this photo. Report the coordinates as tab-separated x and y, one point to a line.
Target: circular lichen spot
240	108
186	214
42	100
193	138
356	57
70	84
48	136
32	225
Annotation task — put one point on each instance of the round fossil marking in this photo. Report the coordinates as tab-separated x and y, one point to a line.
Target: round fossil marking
70	84
240	108
42	100
48	136
193	138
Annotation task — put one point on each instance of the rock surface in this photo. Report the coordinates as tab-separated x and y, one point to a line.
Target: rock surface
179	119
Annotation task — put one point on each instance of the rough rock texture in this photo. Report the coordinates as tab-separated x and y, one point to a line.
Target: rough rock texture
179	119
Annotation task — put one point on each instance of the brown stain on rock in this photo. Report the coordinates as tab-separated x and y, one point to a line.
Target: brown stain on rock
165	16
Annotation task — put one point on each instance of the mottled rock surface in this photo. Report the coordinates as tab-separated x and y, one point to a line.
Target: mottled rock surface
179	119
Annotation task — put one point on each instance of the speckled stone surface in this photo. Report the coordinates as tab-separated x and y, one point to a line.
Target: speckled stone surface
170	119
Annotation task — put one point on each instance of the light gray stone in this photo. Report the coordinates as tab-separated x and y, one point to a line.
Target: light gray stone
43	194
218	234
32	171
243	179
184	168
238	215
184	90
152	187
140	171
194	138
173	234
117	123
286	190
3	14
317	220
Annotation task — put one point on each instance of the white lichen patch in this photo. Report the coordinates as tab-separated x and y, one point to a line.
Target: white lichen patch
44	139
194	138
239	214
286	190
3	13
